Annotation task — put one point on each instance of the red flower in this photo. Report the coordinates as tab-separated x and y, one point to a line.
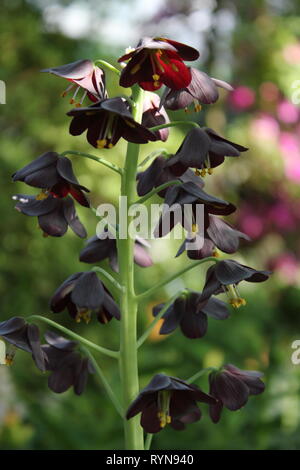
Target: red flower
158	61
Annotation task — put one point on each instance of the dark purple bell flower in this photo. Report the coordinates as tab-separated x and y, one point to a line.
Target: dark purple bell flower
225	275
218	235
106	122
190	313
82	74
68	368
22	335
83	293
54	215
203	149
99	248
54	174
189	193
168	400
159	173
154	115
232	387
202	89
158	61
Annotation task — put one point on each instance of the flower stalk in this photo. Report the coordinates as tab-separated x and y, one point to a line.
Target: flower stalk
134	439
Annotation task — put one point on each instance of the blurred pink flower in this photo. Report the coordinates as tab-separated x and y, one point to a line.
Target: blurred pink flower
242	97
264	127
287	112
291	53
280	214
286	266
290	148
250	222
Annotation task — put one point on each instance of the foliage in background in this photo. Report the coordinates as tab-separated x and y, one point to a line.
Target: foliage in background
265	61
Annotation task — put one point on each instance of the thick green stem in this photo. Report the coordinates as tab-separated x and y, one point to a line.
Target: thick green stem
134	439
161	284
71	334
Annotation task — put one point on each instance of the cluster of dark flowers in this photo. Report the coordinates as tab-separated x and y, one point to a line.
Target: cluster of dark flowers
153	63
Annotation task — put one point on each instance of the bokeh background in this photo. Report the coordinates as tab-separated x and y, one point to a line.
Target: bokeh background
256	47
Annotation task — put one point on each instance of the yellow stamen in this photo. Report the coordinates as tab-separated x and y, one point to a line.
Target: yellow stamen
72	101
210	171
197	172
203	172
78	105
238	302
195	228
63	94
9	360
216	253
156	84
187	111
110	146
42	195
101	143
197	107
156	77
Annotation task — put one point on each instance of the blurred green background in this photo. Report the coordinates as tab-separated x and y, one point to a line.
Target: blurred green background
256	47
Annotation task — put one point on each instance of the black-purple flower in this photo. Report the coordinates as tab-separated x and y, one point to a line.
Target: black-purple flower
68	368
218	235
203	149
98	248
106	122
174	212
82	74
189	313
155	115
202	89
54	215
54	174
83	293
225	275
159	173
22	335
168	400
232	387
158	61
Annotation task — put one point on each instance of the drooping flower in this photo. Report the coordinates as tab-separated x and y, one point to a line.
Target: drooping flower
202	89
174	211
54	215
225	275
82	74
106	122
158	61
54	174
155	115
68	368
83	293
231	387
218	235
190	313
204	149
20	334
104	246
168	400
159	173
